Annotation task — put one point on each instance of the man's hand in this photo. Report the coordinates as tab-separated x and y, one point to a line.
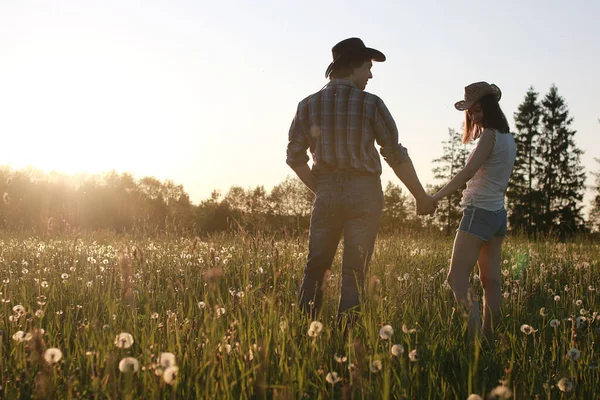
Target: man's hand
426	205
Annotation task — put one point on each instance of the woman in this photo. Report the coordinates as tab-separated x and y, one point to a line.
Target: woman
484	222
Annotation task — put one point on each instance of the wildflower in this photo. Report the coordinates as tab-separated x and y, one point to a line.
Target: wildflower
543	312
386	332
565	385
397	349
170	374
19	309
333	378
124	340
502	392
21	336
166	360
52	355
527	329
375	366
340	359
315	329
413	355
554	323
573	354
129	364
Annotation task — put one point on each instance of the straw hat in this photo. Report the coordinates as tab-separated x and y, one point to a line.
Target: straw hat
476	91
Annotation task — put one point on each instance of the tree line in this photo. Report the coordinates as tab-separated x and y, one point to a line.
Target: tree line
544	195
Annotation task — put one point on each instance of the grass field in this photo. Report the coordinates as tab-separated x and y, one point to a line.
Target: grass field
89	317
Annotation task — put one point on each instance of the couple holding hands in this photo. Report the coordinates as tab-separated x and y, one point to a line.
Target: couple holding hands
340	124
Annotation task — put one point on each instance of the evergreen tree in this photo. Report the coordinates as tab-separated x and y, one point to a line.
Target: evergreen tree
454	158
561	176
595	206
523	199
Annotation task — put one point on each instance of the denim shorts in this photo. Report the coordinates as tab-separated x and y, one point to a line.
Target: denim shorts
483	223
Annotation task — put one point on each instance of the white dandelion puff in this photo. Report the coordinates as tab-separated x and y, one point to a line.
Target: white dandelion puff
21	336
527	329
129	364
573	354
554	323
340	359
170	374
502	392
406	329
375	366
474	397
315	329
124	340
557	298
565	385
386	332
413	355
543	312
332	378
19	309
53	355
64	276
397	350
201	305
166	360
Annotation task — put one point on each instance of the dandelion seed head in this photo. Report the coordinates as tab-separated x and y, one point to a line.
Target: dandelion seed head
124	340
554	323
166	360
375	366
565	385
397	350
527	329
573	354
413	355
386	332
52	355
557	298
340	359
332	378
501	392
170	375
129	364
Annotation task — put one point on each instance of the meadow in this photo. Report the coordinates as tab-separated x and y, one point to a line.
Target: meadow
126	317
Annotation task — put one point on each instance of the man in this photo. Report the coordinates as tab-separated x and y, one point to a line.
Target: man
340	125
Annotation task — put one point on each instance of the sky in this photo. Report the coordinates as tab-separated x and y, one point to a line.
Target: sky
203	92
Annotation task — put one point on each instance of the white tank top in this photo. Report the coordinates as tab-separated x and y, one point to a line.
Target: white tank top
487	187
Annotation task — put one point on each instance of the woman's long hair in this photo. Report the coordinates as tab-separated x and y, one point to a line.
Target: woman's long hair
493	118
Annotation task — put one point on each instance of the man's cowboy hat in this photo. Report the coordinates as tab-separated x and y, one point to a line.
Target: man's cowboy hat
350	48
476	91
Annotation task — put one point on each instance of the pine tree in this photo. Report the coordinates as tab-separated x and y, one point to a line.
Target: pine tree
595	207
449	164
562	176
523	200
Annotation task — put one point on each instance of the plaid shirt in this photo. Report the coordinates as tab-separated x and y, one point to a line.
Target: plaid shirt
340	125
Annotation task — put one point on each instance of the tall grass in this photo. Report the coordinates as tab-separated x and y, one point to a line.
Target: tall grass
226	308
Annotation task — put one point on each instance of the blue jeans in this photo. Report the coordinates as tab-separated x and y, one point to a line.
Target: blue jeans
346	204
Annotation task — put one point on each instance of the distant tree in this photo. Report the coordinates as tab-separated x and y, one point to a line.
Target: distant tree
595	206
561	176
453	159
523	197
291	198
